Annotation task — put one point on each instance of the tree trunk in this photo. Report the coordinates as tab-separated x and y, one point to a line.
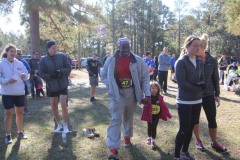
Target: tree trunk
34	31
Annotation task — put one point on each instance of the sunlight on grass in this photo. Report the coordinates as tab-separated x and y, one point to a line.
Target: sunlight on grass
43	144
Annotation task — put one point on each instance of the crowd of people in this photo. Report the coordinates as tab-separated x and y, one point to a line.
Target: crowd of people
129	80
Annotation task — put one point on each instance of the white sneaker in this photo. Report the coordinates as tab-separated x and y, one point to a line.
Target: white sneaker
65	128
59	128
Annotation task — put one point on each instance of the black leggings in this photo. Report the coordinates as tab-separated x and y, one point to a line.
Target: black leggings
152	127
188	115
209	108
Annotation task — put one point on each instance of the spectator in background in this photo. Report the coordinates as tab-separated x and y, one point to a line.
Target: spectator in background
38	86
222	67
164	62
25	63
156	68
150	63
233	67
172	63
34	64
54	68
12	74
92	67
108	53
232	60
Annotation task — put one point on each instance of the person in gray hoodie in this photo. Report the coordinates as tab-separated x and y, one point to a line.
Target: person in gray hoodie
12	76
127	78
164	61
55	68
190	79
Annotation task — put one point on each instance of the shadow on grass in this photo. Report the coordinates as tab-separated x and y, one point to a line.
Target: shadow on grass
212	155
136	153
163	154
59	149
229	100
14	151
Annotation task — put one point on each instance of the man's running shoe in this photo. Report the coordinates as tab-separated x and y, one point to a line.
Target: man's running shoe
8	139
22	135
59	128
113	154
219	148
199	145
127	142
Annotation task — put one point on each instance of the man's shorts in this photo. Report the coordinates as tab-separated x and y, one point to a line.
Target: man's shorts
58	93
93	81
26	90
9	101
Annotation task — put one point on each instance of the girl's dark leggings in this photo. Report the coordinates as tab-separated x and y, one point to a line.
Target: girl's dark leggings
152	127
188	115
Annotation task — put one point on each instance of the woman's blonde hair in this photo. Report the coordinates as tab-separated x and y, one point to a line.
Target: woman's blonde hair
188	41
6	49
204	41
156	84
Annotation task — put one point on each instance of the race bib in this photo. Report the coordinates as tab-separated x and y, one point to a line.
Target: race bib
125	83
155	109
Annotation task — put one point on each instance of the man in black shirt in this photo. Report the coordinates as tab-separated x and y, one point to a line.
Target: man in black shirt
92	67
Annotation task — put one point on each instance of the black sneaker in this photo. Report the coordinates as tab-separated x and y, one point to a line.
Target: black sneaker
92	99
8	139
95	132
21	135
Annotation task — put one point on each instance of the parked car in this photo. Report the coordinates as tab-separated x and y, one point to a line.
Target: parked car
75	64
83	62
26	57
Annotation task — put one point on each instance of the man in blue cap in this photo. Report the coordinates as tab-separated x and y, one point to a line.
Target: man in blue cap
127	78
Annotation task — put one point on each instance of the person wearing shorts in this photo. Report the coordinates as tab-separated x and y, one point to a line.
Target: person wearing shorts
92	67
55	68
12	76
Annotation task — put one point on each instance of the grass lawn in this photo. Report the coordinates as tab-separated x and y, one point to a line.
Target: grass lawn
43	144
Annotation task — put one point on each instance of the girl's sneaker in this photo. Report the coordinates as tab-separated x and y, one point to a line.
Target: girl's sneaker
154	146
219	148
186	156
199	145
149	141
